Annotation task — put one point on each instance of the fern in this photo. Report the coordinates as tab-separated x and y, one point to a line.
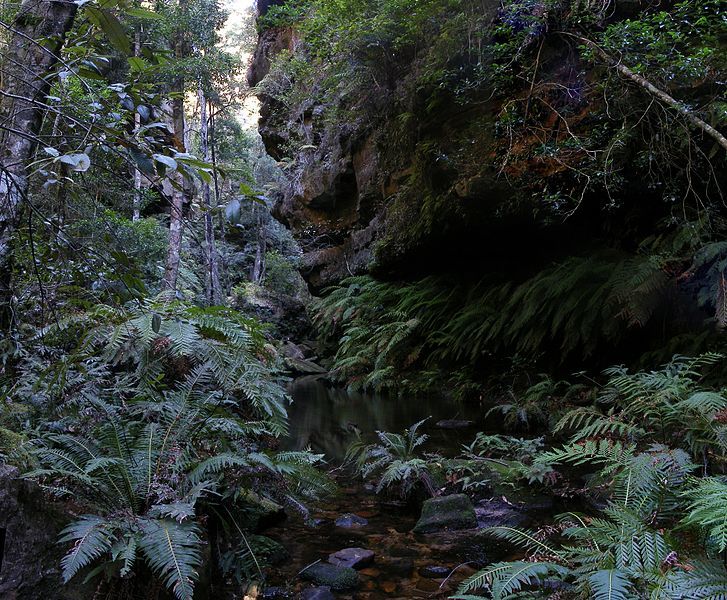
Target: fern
397	460
707	509
610	584
92	537
503	579
160	403
173	552
381	328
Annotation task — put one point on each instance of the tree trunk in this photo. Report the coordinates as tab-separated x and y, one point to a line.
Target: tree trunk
214	293
258	268
136	210
222	263
38	34
176	215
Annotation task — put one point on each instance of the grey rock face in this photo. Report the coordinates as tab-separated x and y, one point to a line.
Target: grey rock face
31	556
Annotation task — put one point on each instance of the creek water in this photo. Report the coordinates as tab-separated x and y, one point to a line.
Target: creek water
324	419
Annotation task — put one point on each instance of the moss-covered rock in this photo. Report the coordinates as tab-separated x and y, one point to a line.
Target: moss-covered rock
337	578
447	512
267	550
257	513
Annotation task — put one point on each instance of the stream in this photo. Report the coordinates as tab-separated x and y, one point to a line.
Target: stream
405	565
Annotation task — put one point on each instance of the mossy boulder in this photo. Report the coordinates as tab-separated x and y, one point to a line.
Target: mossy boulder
267	550
446	512
256	513
336	578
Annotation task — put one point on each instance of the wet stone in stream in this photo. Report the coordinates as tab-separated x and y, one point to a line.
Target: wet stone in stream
434	572
317	593
335	577
354	558
351	521
446	512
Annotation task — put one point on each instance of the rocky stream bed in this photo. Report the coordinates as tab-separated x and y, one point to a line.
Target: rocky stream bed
361	546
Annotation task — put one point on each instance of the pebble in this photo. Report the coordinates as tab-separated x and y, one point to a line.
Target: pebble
388	586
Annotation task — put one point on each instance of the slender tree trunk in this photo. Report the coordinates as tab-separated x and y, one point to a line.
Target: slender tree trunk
222	263
258	267
214	292
38	34
176	215
136	214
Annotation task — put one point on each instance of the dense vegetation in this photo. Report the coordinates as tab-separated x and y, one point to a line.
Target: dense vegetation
139	387
541	188
553	176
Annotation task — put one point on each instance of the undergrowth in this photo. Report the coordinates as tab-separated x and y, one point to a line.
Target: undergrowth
653	445
157	421
404	334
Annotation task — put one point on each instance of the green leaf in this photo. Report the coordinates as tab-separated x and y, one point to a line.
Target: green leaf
609	584
145	164
92	537
142	13
167	162
111	26
78	162
173	551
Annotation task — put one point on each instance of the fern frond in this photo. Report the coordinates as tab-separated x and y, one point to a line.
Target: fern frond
610	584
92	536
173	552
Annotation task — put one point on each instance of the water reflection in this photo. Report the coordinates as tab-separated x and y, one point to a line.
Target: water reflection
325	418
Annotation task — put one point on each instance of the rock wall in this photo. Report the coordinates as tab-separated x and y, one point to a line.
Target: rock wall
29	527
380	182
398	178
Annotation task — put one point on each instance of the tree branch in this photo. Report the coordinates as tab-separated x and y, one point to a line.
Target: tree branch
653	90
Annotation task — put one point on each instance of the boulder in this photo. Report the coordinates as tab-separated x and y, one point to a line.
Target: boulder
301	366
446	513
29	553
351	521
336	578
496	512
291	350
355	558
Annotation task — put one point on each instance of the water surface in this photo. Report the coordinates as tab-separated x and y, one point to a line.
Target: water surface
325	419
